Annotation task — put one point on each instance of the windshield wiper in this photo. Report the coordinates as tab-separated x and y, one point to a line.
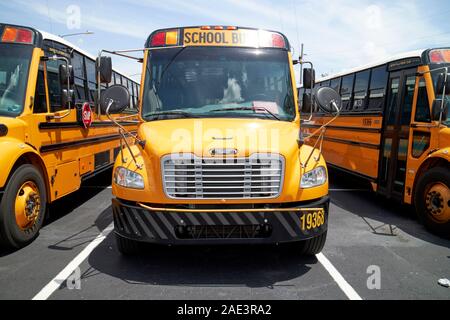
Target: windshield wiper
184	114
249	109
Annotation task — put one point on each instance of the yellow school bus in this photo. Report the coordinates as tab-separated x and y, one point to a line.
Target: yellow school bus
394	130
51	135
217	157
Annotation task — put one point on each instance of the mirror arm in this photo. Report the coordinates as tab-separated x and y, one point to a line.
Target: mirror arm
443	95
124	133
322	130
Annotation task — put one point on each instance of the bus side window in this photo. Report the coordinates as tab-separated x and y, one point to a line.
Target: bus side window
422	106
40	95
410	86
92	79
360	91
80	77
377	88
347	91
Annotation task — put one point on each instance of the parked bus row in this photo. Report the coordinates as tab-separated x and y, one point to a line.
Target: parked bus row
52	136
394	130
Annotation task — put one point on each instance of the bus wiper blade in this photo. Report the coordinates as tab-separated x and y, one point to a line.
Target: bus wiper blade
170	113
250	109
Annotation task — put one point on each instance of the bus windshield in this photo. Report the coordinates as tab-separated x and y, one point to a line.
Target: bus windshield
218	82
14	65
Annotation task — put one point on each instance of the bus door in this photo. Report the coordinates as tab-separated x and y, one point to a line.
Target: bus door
395	137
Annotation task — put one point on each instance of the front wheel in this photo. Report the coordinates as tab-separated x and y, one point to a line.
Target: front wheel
314	245
432	200
22	208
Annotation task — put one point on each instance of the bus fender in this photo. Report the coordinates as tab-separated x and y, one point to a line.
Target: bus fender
11	151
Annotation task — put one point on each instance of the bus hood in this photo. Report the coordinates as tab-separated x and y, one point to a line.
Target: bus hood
220	137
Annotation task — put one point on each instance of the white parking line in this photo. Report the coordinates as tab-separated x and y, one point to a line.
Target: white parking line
342	283
56	282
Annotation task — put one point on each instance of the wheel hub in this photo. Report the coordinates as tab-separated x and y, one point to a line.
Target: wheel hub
438	202
27	205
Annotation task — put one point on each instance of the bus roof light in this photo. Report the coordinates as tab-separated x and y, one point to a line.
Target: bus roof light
17	35
231	28
205	28
440	56
278	40
172	38
159	39
218	28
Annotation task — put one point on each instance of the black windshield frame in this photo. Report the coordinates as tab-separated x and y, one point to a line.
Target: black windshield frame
163	59
24	52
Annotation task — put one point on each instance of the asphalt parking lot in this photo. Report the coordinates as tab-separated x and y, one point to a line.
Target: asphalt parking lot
368	236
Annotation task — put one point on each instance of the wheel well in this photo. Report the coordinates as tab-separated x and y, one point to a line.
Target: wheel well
428	164
36	161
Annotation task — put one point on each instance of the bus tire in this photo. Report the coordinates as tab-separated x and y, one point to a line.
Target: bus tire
432	200
314	245
22	208
126	246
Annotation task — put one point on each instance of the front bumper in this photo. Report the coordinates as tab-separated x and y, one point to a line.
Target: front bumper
216	226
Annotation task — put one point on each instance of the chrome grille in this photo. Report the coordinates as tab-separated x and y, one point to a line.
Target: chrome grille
191	177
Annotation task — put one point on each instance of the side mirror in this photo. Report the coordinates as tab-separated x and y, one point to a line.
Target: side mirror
67	98
306	103
328	99
115	98
436	109
103	67
309	76
66	75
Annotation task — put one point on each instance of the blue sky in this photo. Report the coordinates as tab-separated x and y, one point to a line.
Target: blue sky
337	34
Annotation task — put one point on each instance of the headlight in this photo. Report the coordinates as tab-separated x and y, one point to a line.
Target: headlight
314	178
128	179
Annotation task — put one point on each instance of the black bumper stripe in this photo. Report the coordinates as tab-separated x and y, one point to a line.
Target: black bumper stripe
251	218
156	227
141	224
222	219
144	226
131	217
168	226
281	217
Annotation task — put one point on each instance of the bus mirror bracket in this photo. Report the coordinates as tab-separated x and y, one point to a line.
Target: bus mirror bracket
112	101
330	102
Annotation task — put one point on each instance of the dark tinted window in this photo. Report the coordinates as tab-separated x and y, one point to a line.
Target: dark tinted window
80	76
379	78
360	91
90	70
40	96
392	102
377	89
423	106
335	84
407	103
346	92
